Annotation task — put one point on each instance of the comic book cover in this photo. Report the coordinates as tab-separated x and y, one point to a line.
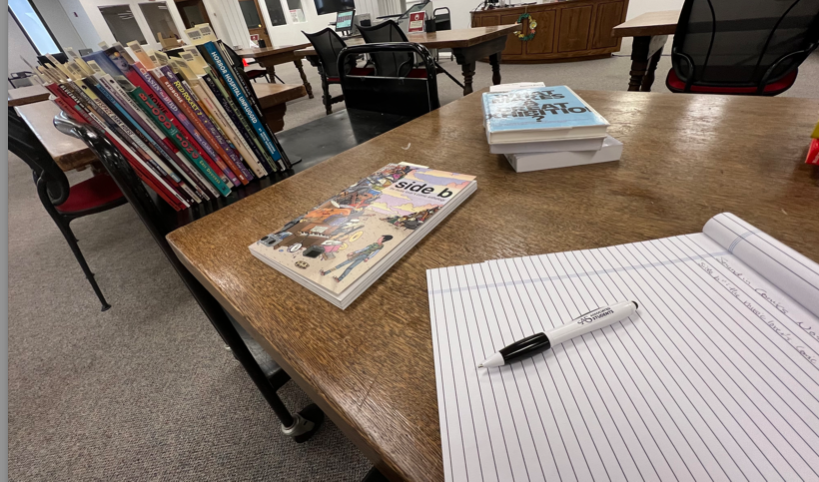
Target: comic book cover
338	241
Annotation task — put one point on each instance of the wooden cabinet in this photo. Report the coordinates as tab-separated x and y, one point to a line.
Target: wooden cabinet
566	30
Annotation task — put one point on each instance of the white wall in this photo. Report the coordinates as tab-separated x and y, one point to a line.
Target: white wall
82	24
57	20
292	32
19	45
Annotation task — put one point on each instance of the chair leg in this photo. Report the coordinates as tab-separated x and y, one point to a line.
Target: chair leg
75	248
328	101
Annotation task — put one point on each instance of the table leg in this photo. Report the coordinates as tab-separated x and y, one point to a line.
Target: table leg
494	59
639	62
468	69
274	117
307	86
648	79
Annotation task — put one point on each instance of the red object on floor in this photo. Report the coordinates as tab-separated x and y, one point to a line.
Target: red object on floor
91	193
813	152
674	84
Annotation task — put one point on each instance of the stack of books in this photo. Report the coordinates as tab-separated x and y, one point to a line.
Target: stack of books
189	124
342	246
546	128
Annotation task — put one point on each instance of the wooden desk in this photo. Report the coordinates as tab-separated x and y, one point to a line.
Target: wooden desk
650	31
370	367
27	95
270	57
568	30
468	45
69	152
273	99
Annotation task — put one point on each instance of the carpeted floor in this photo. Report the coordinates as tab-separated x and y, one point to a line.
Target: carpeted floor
146	390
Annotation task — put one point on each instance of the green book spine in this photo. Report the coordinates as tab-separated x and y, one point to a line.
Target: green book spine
155	114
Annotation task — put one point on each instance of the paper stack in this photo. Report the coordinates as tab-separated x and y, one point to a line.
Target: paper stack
538	127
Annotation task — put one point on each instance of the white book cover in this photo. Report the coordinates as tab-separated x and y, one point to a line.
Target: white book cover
593	144
612	150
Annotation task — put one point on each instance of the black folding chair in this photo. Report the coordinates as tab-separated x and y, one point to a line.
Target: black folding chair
63	202
391	94
160	220
20	79
750	47
394	64
328	46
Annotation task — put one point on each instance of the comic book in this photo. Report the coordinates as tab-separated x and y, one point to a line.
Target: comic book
340	247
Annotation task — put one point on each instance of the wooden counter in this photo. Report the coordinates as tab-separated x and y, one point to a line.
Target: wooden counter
566	31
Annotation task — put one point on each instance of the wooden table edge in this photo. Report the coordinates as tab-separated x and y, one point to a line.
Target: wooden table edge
273	51
296	91
352	431
29	100
627	29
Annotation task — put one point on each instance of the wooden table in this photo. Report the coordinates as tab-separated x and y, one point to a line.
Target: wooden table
27	95
468	45
370	367
270	57
650	31
69	152
273	99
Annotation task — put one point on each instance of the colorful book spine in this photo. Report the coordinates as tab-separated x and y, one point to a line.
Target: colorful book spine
169	110
247	109
221	95
200	120
155	112
187	118
113	113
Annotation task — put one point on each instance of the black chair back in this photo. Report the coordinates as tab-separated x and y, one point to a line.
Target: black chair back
443	18
410	96
52	184
328	46
743	43
392	63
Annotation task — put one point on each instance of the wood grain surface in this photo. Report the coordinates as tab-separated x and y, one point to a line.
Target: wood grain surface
69	152
370	367
27	95
444	39
648	24
275	94
267	51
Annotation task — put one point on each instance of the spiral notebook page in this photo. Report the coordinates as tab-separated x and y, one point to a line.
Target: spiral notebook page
716	377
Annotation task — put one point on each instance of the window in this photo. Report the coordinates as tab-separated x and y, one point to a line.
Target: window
274	9
332	6
296	11
251	14
33	27
159	20
121	21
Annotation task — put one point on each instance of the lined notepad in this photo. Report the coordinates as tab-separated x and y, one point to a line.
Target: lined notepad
716	377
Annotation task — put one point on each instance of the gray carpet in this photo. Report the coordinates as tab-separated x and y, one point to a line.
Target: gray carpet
146	390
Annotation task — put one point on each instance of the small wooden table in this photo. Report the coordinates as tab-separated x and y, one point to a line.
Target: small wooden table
27	95
650	31
468	45
273	99
68	152
270	57
370	367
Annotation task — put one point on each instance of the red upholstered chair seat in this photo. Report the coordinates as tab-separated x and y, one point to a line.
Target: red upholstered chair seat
92	193
674	84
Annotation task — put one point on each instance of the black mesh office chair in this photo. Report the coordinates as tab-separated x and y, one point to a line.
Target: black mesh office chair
742	46
328	46
391	94
395	64
63	202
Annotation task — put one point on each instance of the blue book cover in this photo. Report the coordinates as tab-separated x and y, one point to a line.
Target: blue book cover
245	106
538	108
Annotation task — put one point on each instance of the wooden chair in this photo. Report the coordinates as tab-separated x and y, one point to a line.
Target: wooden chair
396	93
742	47
63	202
328	46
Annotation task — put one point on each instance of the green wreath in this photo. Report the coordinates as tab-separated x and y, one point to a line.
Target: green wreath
525	37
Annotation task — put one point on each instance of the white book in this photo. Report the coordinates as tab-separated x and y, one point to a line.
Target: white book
611	151
515	86
593	144
715	377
